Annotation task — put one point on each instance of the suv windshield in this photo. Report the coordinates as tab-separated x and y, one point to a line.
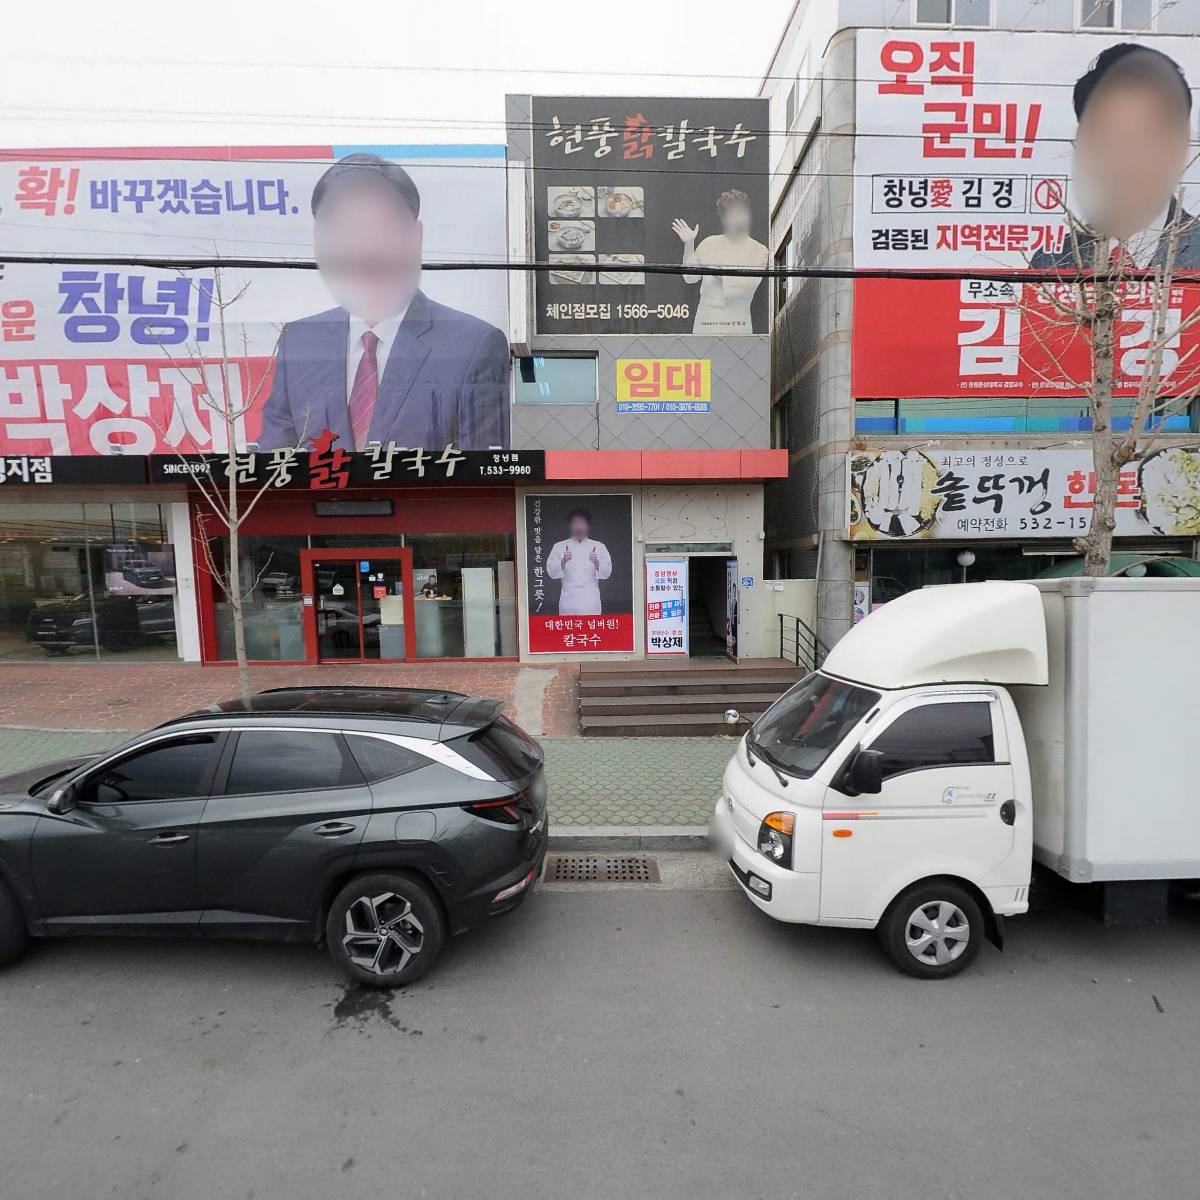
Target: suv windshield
800	730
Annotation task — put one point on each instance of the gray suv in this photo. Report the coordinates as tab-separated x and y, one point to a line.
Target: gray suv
375	819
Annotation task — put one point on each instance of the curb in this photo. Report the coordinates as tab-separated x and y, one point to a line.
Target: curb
595	838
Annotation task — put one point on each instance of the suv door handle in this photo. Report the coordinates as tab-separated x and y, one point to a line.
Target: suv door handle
168	839
333	829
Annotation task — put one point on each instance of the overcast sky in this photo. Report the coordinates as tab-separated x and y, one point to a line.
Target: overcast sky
128	72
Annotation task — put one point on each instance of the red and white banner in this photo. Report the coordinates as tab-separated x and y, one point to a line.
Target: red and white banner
964	159
974	337
100	358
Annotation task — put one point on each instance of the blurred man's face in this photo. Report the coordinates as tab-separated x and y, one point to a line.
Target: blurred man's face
368	247
579	528
735	220
1130	153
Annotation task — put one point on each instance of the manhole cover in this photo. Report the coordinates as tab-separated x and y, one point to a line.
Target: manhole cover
594	868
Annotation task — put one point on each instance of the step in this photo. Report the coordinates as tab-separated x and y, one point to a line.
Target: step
667	725
706	704
699	685
682	665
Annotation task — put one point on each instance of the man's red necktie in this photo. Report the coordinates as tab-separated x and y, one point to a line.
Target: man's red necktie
364	391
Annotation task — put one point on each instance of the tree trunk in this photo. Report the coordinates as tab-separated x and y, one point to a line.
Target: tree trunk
235	581
1097	544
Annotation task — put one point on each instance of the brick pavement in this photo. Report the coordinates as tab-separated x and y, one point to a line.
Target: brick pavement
90	696
591	781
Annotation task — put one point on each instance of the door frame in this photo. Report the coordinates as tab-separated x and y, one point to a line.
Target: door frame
401	554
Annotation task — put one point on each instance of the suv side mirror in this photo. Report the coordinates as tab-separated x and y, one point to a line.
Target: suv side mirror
732	716
62	799
866	772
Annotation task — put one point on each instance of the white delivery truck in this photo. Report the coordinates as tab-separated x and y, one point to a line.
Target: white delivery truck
957	733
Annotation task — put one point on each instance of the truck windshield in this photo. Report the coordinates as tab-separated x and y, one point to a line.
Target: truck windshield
800	730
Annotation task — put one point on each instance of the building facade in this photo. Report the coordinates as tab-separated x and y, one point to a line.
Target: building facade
495	432
927	440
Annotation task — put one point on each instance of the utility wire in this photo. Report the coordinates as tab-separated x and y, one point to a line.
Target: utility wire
566	72
205	262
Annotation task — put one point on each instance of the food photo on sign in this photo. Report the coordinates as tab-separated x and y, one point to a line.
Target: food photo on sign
1012	151
128	360
579	568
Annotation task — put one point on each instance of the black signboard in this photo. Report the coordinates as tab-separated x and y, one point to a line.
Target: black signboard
332	470
621	182
79	470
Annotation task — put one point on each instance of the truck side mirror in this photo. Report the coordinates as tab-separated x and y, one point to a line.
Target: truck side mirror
866	772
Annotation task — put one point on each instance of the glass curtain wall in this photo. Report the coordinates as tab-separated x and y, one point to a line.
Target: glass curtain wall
89	582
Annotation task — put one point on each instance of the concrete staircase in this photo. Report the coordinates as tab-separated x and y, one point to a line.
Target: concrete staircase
680	699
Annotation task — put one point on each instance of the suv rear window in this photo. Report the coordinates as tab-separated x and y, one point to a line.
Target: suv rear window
383	760
503	750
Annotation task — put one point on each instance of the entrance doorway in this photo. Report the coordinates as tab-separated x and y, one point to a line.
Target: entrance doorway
358	605
706	606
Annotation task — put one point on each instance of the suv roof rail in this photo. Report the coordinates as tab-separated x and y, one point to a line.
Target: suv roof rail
354	687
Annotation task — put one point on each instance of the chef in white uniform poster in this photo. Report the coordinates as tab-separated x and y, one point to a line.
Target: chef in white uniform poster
581	563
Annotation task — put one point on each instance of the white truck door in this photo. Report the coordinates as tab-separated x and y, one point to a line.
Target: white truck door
944	809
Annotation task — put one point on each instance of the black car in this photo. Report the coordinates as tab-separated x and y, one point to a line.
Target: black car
120	623
377	819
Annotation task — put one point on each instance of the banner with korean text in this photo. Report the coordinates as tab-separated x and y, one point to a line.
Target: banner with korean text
1015	493
964	158
621	182
666	606
102	356
578	568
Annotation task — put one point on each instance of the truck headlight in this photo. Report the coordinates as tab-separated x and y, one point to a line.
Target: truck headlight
775	837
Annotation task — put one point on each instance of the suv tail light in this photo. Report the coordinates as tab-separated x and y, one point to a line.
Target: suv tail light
507	810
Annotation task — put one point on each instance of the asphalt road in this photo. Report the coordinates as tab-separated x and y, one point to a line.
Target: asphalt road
609	1043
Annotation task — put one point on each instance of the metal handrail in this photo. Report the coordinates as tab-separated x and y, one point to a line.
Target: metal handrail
798	642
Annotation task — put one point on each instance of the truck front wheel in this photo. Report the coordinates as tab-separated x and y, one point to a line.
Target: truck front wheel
932	930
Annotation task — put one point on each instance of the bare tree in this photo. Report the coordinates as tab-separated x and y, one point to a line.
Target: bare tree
1088	303
229	506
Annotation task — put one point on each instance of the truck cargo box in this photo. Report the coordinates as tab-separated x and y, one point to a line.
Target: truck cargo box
1114	738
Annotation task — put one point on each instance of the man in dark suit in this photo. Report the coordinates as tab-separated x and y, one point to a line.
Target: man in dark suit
1134	112
388	364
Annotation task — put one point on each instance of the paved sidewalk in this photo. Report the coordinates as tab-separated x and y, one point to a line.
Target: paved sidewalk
77	693
592	781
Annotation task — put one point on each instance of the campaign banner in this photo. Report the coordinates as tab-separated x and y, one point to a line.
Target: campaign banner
579	573
965	157
1014	493
102	357
978	337
619	182
666	606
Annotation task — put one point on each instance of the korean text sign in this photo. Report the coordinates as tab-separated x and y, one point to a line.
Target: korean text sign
104	359
620	182
664	385
964	158
666	606
578	569
1015	493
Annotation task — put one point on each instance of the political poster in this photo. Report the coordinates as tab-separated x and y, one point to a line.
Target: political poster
667	606
966	157
101	355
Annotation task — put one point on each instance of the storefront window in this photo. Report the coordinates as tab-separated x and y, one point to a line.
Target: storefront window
93	581
465	594
271	605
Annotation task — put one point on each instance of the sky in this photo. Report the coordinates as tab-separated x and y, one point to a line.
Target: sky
262	72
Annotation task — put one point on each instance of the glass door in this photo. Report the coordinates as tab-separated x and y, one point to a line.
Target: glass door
339	614
358	604
381	583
